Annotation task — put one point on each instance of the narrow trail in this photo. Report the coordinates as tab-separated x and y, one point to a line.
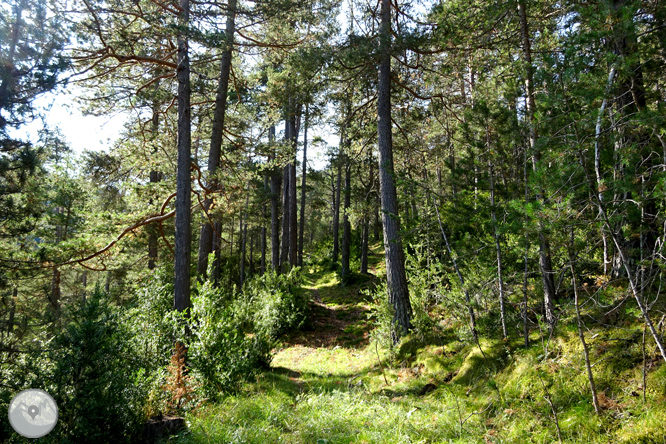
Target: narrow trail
336	340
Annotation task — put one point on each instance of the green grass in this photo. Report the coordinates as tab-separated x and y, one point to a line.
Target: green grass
333	385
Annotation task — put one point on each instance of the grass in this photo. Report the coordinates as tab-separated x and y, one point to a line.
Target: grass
332	384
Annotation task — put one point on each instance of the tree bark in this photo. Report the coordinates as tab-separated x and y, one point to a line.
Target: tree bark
275	209
394	254
217	133
293	193
366	217
243	250
498	250
346	225
286	213
154	178
581	334
303	183
183	184
336	211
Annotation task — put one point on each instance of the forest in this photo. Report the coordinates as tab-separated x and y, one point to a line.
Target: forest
390	221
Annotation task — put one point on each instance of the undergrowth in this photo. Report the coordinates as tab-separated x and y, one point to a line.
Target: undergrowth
437	386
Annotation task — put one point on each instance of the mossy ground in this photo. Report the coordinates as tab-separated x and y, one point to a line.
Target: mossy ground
332	384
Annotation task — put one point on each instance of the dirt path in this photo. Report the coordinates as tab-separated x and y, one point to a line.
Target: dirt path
338	314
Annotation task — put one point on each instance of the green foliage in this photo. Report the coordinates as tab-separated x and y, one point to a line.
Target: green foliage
274	303
223	349
90	370
229	337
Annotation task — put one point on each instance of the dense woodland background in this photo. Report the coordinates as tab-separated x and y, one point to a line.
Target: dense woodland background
508	159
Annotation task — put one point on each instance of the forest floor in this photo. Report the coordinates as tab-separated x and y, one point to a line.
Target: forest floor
333	384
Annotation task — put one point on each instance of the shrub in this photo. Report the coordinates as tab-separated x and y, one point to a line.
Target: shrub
275	303
224	348
91	373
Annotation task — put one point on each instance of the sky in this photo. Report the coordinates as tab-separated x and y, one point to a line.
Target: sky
93	133
81	132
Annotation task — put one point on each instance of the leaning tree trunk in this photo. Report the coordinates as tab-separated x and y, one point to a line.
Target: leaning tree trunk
394	254
581	328
206	237
544	245
183	184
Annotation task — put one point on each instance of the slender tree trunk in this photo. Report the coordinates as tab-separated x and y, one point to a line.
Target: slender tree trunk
293	194
394	254
183	184
498	250
154	178
250	271
364	244
544	246
624	262
377	224
336	211
366	217
597	167
303	183
231	252
217	133
263	250
284	253
581	328
263	225
275	209
243	250
217	250
526	328
84	284
468	299
346	226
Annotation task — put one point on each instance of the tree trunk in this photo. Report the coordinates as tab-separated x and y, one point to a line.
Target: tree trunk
264	216
498	250
243	250
581	329
303	182
346	225
394	254
286	213
217	133
217	247
468	299
293	194
366	217
336	211
544	245
154	178
183	184
275	209
377	225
